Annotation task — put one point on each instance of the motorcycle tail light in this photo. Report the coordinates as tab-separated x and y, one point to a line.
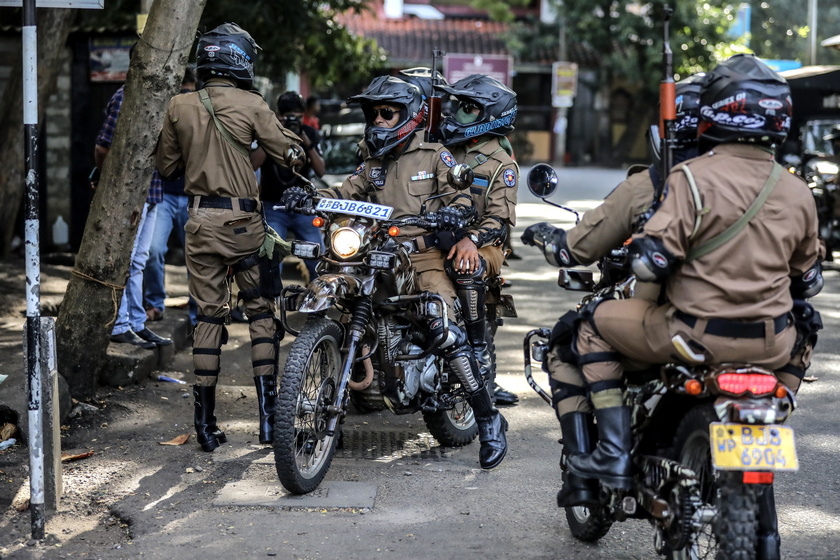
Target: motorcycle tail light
317	221
758	477
393	231
737	384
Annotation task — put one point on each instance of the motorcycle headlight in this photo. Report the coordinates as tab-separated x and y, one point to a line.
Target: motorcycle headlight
346	242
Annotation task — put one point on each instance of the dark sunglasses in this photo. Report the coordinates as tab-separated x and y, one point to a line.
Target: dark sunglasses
386	113
469	106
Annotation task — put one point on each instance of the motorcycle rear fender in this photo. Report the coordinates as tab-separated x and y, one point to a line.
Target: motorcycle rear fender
323	290
766	410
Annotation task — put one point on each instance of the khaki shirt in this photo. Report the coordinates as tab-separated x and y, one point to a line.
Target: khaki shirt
608	226
747	278
190	141
487	159
406	182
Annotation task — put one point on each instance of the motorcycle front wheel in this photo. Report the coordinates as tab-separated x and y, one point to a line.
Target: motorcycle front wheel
731	534
307	397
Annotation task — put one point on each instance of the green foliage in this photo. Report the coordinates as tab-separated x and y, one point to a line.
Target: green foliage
498	10
295	35
779	30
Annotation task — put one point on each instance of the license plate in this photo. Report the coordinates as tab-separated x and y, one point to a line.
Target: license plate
740	447
355	207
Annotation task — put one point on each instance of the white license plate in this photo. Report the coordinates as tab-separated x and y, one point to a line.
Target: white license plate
355	207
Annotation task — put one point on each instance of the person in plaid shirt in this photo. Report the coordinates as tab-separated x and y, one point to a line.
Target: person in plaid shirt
130	326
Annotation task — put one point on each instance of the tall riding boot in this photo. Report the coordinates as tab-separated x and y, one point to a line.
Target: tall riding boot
207	433
267	402
491	429
610	462
576	491
769	542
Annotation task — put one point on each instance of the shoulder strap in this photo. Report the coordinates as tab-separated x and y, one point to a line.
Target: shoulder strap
205	100
699	211
733	230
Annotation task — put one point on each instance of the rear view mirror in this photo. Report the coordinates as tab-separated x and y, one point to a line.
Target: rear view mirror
542	180
461	176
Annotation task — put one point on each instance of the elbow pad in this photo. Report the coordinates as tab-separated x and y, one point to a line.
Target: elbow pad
809	284
650	260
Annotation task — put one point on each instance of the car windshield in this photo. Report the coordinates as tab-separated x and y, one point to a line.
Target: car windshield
340	136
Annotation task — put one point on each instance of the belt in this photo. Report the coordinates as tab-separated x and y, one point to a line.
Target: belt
423	242
245	204
734	329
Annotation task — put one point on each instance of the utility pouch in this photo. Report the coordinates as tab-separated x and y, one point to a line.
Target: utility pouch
271	285
808	323
563	337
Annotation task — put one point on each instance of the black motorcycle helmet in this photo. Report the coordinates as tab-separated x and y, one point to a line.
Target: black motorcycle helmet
688	111
496	101
393	91
227	51
743	100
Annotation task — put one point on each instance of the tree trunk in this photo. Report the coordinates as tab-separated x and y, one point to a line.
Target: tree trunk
96	286
53	28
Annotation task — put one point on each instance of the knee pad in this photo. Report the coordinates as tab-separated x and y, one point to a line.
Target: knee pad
470	288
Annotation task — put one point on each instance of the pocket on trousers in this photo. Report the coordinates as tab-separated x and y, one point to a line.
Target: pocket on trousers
192	227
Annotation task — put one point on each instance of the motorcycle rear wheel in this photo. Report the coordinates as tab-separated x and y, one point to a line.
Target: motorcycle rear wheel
452	428
731	535
587	524
303	451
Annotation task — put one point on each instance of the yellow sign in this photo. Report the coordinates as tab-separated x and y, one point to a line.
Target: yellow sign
141	22
741	447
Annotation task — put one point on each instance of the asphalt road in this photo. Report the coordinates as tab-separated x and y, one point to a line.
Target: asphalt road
392	492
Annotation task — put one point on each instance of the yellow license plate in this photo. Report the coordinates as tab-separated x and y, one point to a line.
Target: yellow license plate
739	447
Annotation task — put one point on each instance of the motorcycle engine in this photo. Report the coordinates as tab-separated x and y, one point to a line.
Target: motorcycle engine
419	373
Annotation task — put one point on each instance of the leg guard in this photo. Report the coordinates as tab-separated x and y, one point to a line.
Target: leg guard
491	430
267	403
209	336
461	360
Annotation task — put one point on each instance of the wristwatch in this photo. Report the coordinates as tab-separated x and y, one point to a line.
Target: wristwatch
473	237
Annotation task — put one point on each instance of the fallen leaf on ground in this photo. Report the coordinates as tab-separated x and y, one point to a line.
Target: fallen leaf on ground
65	457
6	431
21	506
180	440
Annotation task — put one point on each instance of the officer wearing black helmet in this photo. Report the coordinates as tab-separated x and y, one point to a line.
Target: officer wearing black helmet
745	282
599	231
477	134
206	136
404	172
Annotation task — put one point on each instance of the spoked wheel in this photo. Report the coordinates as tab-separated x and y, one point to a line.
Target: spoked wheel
587	524
306	401
452	428
728	530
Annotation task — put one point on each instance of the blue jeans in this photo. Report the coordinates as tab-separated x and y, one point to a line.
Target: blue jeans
132	314
283	222
171	215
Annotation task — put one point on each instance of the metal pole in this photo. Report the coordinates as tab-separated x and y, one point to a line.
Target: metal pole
812	32
33	270
561	123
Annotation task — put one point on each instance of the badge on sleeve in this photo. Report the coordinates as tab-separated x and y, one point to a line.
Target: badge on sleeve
358	170
375	172
509	177
447	158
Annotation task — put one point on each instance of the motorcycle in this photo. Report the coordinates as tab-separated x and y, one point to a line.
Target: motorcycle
366	340
707	440
820	173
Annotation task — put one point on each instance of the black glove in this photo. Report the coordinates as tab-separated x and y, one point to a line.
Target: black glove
537	234
295	198
453	217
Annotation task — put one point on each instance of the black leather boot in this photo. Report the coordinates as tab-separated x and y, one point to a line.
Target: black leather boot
610	462
267	402
576	491
207	433
491	430
769	542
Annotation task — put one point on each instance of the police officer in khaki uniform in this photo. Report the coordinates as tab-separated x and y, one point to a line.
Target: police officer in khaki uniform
599	231
206	136
730	299
476	133
403	172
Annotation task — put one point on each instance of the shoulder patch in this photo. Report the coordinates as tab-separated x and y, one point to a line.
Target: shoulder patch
358	170
509	177
375	172
447	158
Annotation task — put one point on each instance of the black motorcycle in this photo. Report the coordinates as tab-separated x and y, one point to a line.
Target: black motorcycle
707	440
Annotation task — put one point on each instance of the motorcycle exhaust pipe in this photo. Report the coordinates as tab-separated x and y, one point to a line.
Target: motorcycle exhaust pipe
368	365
